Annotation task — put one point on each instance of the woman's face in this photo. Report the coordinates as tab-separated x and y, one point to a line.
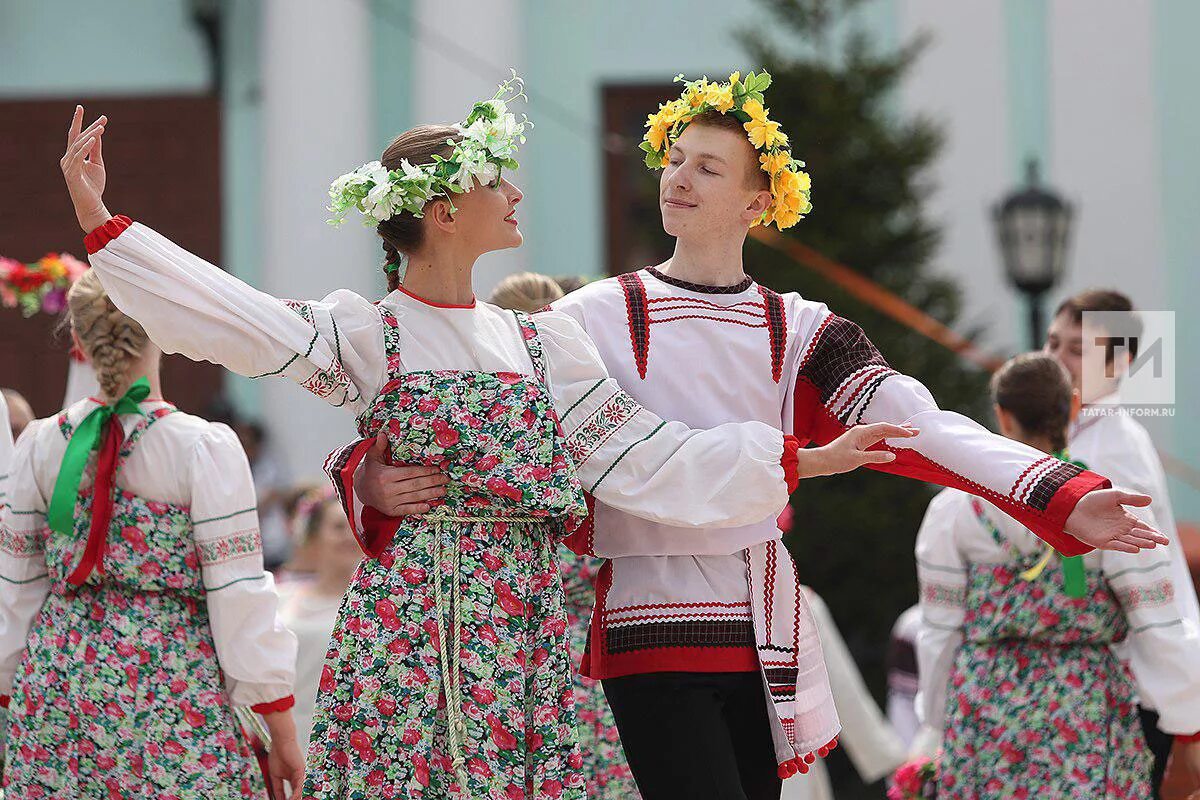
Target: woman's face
333	542
486	217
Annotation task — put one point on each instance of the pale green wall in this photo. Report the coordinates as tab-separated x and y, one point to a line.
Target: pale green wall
61	47
1177	69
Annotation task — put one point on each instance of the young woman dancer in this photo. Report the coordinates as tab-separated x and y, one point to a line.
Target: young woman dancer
1019	683
134	609
448	671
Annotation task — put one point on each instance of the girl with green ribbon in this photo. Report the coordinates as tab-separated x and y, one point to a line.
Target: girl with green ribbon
1020	689
136	620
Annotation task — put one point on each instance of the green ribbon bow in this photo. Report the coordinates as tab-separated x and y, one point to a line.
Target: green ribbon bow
87	437
1074	580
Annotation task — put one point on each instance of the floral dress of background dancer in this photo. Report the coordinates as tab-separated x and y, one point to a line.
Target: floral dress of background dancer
605	769
477	390
1019	684
125	648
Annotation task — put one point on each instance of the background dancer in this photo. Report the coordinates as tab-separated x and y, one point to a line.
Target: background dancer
1019	686
134	609
1115	443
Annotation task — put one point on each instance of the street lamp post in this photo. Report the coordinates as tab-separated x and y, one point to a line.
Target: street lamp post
1033	225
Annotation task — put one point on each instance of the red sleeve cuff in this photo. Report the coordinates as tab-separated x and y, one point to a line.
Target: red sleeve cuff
282	704
378	529
97	239
791	462
1188	739
1061	506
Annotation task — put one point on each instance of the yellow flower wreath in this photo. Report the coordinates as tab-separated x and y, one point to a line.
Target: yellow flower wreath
790	184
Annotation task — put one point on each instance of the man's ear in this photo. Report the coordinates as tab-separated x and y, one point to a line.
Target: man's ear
761	202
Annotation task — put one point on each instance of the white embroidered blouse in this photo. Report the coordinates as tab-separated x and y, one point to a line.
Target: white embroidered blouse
182	460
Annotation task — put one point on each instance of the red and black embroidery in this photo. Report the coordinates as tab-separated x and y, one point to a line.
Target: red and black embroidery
700	288
637	311
1045	489
840	353
776	327
692	633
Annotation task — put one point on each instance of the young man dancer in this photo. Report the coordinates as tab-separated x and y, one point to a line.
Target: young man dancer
1112	442
707	651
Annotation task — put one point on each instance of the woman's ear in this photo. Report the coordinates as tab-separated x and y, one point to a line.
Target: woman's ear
1076	404
440	215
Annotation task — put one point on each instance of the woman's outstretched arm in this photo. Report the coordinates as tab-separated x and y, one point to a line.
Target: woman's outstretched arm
333	347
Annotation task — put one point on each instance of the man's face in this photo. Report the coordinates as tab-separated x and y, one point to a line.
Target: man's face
706	188
1065	341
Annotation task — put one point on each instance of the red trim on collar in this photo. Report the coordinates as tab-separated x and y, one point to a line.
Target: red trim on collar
420	299
99	238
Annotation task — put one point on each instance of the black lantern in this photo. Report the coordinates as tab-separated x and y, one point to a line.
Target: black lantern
1032	227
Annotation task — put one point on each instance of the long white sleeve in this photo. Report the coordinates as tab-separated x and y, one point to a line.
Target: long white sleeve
942	575
256	652
632	460
24	583
333	348
843	381
872	744
1163	644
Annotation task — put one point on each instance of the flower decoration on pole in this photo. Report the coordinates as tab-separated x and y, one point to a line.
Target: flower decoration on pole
40	286
790	184
490	137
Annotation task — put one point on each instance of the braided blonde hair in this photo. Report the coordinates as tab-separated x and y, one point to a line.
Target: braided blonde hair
110	340
526	291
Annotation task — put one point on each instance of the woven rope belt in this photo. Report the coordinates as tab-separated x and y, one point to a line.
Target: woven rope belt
449	604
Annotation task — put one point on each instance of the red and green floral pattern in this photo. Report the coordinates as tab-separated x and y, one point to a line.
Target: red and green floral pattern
120	694
605	769
381	728
1038	706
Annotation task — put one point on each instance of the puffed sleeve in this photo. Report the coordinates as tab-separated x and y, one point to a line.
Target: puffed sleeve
942	576
333	348
256	652
24	583
1164	644
630	459
842	380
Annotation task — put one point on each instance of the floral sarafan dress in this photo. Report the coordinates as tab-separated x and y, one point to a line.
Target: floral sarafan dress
448	671
1018	672
125	650
448	674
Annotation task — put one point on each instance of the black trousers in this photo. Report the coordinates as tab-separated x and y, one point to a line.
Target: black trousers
1160	746
696	735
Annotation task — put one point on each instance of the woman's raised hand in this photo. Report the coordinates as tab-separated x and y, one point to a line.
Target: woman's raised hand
83	168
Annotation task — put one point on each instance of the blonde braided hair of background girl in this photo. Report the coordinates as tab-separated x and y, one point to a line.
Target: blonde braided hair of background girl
110	340
526	291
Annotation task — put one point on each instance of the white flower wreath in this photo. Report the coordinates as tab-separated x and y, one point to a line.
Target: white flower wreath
490	137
